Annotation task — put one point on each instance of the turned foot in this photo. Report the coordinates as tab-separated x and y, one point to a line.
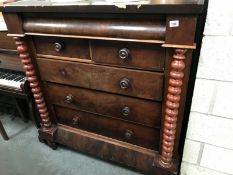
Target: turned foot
41	140
52	145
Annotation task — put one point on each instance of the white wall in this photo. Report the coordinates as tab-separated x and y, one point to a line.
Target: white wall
209	141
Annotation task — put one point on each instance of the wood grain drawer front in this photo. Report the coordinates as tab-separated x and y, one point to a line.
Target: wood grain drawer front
126	108
62	47
135	134
136	83
135	55
151	29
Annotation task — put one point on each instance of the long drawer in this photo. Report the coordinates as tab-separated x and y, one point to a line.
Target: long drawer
128	54
135	83
135	134
151	29
126	108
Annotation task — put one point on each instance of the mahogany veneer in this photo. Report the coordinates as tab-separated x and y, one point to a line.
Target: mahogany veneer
140	56
117	106
104	78
107	81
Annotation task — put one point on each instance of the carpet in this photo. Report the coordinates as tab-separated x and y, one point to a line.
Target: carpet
23	154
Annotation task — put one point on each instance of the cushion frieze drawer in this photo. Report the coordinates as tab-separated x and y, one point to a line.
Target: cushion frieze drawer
62	47
129	54
127	108
114	128
142	84
153	29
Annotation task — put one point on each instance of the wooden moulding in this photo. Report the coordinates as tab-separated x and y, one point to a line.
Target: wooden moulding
94	38
65	58
110	149
180	46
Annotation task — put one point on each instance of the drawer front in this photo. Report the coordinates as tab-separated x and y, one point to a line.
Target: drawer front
135	55
117	129
135	83
62	47
126	108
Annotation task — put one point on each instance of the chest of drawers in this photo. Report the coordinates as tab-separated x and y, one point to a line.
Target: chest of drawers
109	81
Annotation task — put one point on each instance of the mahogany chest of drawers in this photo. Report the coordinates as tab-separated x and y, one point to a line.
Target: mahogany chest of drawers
109	81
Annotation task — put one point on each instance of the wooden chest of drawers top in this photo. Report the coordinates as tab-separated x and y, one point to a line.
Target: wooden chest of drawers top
110	78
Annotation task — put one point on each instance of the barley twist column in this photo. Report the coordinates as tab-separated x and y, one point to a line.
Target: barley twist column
172	107
33	81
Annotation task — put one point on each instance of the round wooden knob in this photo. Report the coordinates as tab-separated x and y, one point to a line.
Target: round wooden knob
126	111
58	46
128	134
124	83
69	98
124	53
63	72
75	120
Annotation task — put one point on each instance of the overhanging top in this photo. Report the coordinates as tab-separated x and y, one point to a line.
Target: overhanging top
109	6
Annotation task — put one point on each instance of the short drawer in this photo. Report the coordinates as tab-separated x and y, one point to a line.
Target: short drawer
126	108
129	54
62	47
135	83
117	129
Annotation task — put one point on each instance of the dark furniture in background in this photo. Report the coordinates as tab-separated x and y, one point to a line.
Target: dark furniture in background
17	88
3	132
109	81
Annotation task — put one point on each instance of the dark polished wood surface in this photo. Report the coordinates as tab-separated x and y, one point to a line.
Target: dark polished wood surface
128	132
127	54
136	83
122	107
74	48
108	149
153	6
114	28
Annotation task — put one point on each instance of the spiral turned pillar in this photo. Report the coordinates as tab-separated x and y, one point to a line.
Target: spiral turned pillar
33	81
172	107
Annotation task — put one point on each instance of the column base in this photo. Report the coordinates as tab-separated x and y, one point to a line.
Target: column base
47	136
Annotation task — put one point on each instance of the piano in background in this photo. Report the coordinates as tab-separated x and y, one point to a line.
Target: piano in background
13	81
